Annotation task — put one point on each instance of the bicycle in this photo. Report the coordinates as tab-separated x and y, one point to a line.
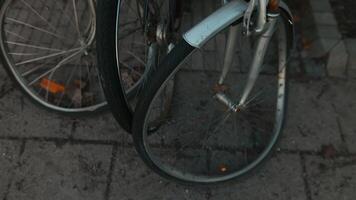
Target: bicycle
48	48
222	118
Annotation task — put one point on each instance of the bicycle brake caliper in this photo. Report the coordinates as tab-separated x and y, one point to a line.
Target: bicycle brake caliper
248	16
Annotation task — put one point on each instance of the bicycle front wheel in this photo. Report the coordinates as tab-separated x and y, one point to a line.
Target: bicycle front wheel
203	141
48	48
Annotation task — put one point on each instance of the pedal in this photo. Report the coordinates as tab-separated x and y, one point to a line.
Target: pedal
218	88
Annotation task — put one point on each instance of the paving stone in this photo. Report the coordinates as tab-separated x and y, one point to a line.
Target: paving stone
98	127
197	60
314	68
331	179
308	41
61	172
342	95
311	121
320	5
281	178
329	39
19	116
212	61
133	180
6	84
321	47
187	64
294	66
9	151
326	31
337	61
344	12
325	18
351	48
221	45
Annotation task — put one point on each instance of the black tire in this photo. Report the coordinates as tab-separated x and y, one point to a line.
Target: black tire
114	29
167	68
170	63
106	51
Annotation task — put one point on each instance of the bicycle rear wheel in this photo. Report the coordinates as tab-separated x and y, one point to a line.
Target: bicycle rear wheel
203	141
48	48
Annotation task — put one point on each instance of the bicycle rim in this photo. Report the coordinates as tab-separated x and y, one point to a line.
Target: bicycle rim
203	141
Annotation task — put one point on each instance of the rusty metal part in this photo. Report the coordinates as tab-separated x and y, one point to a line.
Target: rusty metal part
218	88
273	6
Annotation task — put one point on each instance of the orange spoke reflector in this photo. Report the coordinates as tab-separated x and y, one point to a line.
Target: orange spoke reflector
52	86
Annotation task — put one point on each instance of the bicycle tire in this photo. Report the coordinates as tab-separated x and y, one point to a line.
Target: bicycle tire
106	48
169	66
121	40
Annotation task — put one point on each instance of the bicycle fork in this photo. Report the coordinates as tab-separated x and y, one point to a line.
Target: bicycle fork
260	52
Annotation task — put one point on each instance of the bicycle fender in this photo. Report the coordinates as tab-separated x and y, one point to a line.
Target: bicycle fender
214	23
222	18
284	8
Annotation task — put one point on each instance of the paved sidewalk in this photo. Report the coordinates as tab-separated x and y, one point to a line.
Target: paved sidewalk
48	156
44	155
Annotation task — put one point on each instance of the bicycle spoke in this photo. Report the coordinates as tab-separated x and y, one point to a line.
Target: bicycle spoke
76	19
121	37
226	116
251	126
193	140
35	28
253	116
135	21
32	46
131	69
23	54
136	57
48	56
66	15
32	70
67	83
54	68
38	14
14	34
132	9
258	94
